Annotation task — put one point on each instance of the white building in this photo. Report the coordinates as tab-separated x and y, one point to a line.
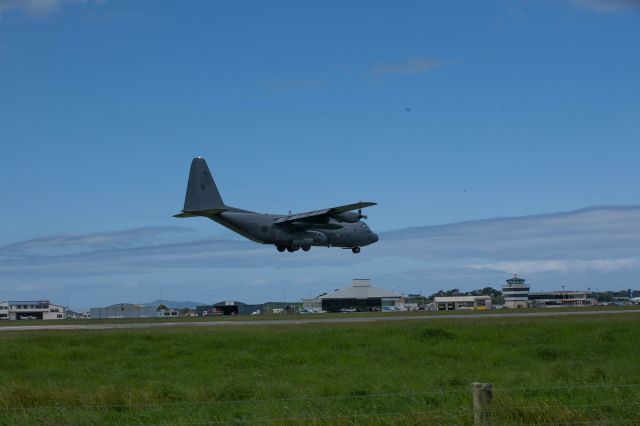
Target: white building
557	299
456	303
515	293
41	309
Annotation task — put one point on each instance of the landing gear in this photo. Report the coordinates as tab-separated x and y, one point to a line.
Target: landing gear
356	249
291	248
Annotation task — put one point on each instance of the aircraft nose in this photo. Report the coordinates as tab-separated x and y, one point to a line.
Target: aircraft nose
374	237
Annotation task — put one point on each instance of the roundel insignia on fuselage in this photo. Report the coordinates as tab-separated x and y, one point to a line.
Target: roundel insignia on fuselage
265	229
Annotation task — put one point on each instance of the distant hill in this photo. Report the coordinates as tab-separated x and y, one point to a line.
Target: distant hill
172	304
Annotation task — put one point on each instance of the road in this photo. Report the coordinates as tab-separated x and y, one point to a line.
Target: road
301	321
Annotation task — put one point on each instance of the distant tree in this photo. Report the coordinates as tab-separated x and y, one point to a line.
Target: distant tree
162	307
497	299
489	291
604	297
185	312
496	295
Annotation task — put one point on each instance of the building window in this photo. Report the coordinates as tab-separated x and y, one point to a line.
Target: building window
481	302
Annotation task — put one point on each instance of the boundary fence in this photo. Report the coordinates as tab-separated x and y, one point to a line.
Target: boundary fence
480	404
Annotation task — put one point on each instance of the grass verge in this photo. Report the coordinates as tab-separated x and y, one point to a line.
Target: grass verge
553	369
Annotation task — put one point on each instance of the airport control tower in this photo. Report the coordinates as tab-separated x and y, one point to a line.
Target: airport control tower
516	293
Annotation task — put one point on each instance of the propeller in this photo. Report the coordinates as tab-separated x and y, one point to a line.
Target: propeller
360	215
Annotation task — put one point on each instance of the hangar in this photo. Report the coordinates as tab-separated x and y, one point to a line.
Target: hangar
228	307
455	303
124	310
361	297
31	309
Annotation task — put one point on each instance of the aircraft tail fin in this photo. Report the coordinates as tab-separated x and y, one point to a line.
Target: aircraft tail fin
202	196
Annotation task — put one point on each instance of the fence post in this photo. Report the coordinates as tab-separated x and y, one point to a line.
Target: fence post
482	395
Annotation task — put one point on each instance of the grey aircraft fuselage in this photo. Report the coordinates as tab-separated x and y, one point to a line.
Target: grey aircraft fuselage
333	227
260	228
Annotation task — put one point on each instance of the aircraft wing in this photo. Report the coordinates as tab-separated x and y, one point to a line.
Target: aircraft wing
325	212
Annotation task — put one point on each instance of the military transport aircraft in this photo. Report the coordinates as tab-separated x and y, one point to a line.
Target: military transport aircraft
332	227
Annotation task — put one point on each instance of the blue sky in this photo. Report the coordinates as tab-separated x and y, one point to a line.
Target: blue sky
440	111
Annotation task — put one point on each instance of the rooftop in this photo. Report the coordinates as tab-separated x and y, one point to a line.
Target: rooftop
125	305
362	289
459	298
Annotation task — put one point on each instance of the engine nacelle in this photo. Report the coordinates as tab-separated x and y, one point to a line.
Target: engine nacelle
349	217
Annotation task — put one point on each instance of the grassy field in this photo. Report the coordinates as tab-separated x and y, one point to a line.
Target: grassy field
545	370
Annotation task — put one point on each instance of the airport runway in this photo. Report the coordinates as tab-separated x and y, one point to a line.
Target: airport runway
333	320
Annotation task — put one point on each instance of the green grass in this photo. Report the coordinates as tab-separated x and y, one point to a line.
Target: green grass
545	370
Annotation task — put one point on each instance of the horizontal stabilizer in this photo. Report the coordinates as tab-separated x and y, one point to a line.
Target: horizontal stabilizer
207	213
184	214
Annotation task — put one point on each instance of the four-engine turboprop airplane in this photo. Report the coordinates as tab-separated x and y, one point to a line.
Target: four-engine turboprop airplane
332	227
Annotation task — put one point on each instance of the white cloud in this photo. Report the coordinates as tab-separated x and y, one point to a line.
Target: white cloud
562	266
596	247
412	66
553	242
82	242
595	233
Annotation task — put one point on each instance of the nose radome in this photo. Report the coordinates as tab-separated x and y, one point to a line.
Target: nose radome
374	237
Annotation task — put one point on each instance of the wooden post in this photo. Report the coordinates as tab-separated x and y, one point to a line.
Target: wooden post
482	395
